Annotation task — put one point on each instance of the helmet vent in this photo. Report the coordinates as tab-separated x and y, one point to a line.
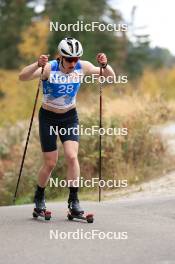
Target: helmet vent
66	53
70	46
76	46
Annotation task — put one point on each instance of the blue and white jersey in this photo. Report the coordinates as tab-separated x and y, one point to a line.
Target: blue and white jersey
60	89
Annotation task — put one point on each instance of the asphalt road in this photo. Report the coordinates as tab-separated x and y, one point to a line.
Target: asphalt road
149	223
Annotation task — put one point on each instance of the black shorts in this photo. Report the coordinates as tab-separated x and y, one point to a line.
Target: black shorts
53	124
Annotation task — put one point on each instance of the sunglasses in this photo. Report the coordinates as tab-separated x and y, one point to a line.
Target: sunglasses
73	59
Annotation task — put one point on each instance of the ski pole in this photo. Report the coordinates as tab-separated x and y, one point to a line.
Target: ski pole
100	139
28	135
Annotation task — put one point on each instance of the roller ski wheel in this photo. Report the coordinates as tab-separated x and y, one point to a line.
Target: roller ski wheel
41	213
87	217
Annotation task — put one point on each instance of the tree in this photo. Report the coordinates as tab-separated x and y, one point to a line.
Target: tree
69	12
34	41
138	56
161	57
14	16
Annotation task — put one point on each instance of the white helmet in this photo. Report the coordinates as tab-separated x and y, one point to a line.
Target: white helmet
70	47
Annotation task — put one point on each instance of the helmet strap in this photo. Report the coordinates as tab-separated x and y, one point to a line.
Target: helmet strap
62	63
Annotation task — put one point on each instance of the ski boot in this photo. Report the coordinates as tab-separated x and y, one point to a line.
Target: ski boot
40	207
75	211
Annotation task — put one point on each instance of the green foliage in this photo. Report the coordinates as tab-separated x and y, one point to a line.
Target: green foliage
141	56
4	150
2	94
160	57
25	35
137	58
69	12
14	16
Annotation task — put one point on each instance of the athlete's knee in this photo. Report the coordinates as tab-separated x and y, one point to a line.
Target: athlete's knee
50	164
71	158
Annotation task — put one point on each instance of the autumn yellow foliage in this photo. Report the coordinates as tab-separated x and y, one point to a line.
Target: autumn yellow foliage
17	98
34	40
162	82
135	157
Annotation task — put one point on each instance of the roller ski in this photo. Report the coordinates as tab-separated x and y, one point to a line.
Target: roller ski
40	207
75	211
